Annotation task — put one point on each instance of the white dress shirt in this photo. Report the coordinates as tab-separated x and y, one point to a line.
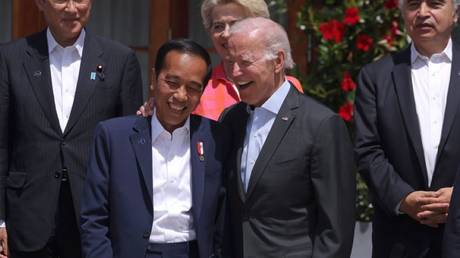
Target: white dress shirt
430	81
65	68
259	124
172	196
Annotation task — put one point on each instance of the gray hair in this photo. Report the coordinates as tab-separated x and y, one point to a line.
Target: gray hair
273	36
455	3
253	8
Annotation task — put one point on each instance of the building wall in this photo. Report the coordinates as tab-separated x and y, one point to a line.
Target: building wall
5	20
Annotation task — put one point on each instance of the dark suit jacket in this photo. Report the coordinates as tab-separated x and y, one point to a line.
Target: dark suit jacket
390	152
301	194
33	149
117	209
451	240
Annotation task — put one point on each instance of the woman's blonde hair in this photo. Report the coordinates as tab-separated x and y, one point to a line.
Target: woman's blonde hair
254	8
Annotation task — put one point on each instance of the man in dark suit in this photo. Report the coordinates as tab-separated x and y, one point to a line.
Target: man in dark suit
291	183
55	86
154	184
451	240
408	133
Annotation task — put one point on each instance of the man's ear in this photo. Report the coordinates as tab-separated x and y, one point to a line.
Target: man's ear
279	61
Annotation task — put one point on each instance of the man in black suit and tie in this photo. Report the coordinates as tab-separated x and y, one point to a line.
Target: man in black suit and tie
55	86
408	133
291	182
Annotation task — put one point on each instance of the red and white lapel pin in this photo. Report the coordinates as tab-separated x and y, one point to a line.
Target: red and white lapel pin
200	150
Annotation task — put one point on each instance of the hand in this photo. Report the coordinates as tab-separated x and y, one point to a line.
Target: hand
436	211
146	109
3	243
413	202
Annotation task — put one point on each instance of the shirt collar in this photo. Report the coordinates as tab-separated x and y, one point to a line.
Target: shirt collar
79	43
158	129
447	52
273	104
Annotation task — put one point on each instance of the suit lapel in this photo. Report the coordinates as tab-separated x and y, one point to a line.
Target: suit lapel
453	98
37	68
240	132
283	121
198	166
142	145
403	86
91	58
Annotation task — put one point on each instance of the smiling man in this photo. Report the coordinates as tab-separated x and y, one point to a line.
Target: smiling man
55	86
154	183
408	133
291	181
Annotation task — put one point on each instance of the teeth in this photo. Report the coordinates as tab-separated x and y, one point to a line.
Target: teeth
176	107
243	83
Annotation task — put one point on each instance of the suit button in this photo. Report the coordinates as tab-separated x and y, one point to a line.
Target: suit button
62	144
146	234
57	175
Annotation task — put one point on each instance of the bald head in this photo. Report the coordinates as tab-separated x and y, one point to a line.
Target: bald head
272	35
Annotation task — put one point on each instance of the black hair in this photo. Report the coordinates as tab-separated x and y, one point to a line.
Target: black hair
187	46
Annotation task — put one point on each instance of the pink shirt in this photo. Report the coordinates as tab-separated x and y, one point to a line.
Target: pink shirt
220	93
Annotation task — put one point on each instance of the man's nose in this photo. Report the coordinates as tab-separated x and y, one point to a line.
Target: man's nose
236	70
181	94
424	9
71	6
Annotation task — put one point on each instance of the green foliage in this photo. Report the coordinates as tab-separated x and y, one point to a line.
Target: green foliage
377	23
345	35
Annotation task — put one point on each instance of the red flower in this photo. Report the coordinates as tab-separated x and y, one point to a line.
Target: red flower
390	4
332	30
351	16
364	42
347	83
346	111
395	28
390	36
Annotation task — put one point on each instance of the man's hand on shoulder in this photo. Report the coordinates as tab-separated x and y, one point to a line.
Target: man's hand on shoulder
146	109
3	243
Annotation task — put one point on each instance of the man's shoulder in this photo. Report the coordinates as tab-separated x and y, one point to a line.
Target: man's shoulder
313	110
235	111
18	46
123	123
109	45
387	62
203	123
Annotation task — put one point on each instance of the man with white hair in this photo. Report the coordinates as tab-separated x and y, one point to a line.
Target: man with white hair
408	133
291	182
